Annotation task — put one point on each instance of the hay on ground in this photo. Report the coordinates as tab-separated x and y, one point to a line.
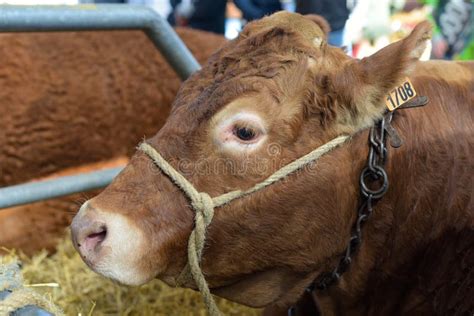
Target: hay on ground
79	291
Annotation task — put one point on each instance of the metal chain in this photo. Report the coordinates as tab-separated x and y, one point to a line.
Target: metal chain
373	182
373	185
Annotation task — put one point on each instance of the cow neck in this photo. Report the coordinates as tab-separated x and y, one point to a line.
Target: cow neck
373	184
204	206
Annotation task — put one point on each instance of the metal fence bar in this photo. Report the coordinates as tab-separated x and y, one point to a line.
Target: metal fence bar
87	18
15	18
53	188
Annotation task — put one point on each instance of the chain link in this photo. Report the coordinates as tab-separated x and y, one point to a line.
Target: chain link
373	185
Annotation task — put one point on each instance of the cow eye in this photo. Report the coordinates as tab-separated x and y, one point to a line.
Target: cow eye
244	133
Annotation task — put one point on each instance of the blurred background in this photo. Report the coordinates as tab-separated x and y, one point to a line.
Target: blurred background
360	26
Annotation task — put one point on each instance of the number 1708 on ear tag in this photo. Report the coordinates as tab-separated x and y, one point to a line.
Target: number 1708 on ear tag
400	95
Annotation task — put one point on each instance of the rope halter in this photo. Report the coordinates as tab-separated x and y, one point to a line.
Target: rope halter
204	206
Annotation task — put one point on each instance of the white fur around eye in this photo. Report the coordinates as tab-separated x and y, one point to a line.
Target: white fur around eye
225	137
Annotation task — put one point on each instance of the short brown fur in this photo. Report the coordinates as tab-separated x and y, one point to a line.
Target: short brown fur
263	250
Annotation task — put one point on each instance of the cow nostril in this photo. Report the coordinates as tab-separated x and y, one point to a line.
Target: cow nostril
100	235
96	238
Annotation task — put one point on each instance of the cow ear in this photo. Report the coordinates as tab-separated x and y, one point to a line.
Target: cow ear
321	22
390	64
365	83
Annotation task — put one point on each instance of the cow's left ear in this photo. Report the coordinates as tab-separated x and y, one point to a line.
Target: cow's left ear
365	83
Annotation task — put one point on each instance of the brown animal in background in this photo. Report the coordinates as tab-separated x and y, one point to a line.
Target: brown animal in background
280	85
70	99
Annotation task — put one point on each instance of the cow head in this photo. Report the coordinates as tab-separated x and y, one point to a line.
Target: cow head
272	95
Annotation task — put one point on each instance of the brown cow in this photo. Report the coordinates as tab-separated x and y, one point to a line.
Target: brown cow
280	86
68	99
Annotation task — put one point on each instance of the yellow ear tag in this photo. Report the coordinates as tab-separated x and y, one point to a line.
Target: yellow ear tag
400	95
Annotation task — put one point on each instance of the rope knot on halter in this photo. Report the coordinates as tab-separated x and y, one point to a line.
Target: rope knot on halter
204	207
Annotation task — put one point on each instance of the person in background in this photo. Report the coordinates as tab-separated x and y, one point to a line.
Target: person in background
454	28
162	7
256	9
336	12
207	15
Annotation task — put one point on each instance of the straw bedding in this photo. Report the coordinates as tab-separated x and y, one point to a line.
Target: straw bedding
78	291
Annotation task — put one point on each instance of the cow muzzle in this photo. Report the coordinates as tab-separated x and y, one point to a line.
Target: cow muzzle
110	244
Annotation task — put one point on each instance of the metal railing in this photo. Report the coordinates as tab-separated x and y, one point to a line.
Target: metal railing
89	17
61	186
86	18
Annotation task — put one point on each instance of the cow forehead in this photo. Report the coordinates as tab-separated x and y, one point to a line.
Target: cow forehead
233	77
252	63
